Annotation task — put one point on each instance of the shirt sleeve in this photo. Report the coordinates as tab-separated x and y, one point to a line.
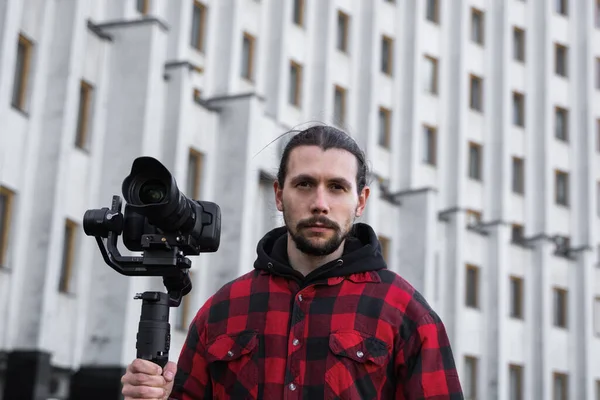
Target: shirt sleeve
425	364
192	381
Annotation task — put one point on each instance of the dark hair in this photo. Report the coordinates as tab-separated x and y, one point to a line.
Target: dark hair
326	137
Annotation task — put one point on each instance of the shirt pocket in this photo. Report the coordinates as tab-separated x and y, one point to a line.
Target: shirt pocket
232	363
356	366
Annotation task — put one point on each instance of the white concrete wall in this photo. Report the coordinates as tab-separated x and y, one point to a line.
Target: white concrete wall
142	106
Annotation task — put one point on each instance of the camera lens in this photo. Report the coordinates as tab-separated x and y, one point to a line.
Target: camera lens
152	192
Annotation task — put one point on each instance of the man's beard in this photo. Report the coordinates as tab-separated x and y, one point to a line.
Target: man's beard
304	243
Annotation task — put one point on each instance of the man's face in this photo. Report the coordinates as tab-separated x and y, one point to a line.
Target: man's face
319	199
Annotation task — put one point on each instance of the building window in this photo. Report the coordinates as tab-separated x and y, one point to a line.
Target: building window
6	201
518	44
475	158
430	75
19	93
295	84
518	109
473	217
68	257
248	56
561	7
472	286
339	105
597	316
298	16
517	233
598	73
385	127
518	175
387	54
430	145
561	184
197	96
561	124
476	93
516	297
560	386
143	6
343	25
516	382
470	378
194	174
561	54
198	25
598	389
432	12
86	91
560	308
597	20
385	248
477	26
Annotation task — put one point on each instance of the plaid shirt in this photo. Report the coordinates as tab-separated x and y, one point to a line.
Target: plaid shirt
342	332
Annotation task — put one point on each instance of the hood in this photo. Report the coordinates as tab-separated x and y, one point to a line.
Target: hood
362	253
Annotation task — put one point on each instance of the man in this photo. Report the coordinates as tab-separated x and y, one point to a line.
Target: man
320	316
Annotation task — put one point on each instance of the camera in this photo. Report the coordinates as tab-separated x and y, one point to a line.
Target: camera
166	226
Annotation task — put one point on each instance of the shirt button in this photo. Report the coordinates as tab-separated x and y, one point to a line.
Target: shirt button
299	297
230	353
360	354
296	342
292	387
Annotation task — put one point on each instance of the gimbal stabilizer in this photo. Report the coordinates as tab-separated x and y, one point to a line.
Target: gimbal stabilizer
166	227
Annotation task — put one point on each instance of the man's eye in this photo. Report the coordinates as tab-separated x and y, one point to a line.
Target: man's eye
303	184
337	187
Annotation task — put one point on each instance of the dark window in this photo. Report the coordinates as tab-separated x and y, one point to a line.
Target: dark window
24	49
562	188
519	44
561	54
429	145
385	126
475	161
342	31
472	292
294	97
476	93
518	175
516	297
198	25
432	12
477	26
387	54
560	308
248	57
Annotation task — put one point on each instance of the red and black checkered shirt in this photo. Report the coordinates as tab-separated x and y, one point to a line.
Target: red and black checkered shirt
349	330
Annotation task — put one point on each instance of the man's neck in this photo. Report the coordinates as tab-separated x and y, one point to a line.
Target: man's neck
305	263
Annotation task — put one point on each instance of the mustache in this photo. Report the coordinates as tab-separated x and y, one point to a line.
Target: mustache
322	221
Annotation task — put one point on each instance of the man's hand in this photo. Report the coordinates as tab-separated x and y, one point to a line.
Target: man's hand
146	380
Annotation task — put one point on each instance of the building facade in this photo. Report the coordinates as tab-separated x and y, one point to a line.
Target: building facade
480	118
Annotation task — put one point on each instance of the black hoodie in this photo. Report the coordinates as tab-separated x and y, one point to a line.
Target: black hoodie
362	252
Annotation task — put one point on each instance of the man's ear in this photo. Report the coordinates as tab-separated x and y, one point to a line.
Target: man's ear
278	195
362	200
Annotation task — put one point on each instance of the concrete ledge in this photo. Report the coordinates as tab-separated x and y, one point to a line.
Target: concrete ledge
130	22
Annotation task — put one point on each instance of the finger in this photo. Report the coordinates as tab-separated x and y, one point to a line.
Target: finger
146	380
143	392
139	366
169	371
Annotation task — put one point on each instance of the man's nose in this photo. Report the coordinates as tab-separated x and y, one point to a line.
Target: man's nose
320	204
